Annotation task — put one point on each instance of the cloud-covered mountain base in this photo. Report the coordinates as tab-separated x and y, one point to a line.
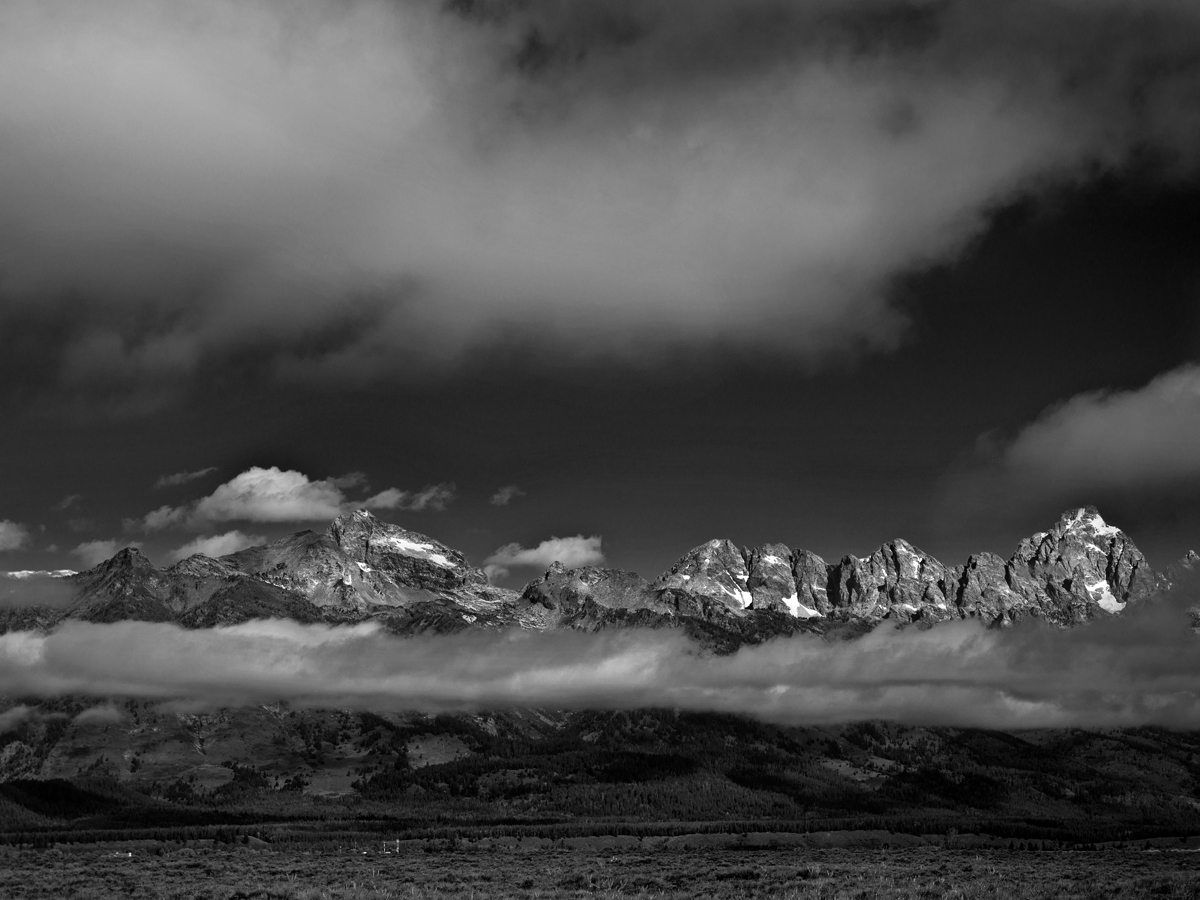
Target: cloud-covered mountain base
1133	670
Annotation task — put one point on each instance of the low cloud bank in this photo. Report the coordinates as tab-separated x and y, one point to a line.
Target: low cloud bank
1136	669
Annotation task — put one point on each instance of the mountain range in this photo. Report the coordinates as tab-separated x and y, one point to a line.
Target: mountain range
180	767
363	568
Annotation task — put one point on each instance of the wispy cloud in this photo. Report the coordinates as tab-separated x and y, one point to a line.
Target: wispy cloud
66	502
1130	670
216	545
13	535
506	494
182	477
433	496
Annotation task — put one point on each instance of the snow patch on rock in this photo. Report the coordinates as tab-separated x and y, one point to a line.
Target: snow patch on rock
416	549
1104	597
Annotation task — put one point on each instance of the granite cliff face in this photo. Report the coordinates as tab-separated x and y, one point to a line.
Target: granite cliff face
725	596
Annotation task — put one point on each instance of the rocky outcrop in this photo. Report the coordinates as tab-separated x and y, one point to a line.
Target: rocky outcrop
897	581
567	591
362	564
710	580
811	577
770	580
1081	568
404	557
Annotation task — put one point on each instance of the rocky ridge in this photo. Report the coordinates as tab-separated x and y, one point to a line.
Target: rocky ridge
1080	569
364	568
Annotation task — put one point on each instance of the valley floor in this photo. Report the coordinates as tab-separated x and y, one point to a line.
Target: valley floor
554	873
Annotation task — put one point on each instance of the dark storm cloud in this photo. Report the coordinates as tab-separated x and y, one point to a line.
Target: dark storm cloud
344	190
1135	669
1135	449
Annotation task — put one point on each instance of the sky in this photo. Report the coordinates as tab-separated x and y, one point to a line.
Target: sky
597	281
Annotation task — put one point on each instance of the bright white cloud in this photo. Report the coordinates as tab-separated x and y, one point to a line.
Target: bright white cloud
271	495
572	552
182	477
274	495
506	494
91	553
216	545
13	535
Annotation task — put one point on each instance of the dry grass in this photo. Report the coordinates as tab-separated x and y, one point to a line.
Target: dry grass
559	874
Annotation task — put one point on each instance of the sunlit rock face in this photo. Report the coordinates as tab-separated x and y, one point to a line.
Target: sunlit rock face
811	577
709	580
982	590
1082	567
897	581
770	580
403	556
361	562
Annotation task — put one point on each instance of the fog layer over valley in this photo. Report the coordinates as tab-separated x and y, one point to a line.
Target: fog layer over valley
1134	670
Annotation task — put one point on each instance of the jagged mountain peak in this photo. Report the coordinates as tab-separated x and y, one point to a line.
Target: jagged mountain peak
716	571
127	558
365	538
198	565
1086	519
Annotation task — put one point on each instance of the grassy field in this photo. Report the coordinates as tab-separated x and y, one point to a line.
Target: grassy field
926	873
